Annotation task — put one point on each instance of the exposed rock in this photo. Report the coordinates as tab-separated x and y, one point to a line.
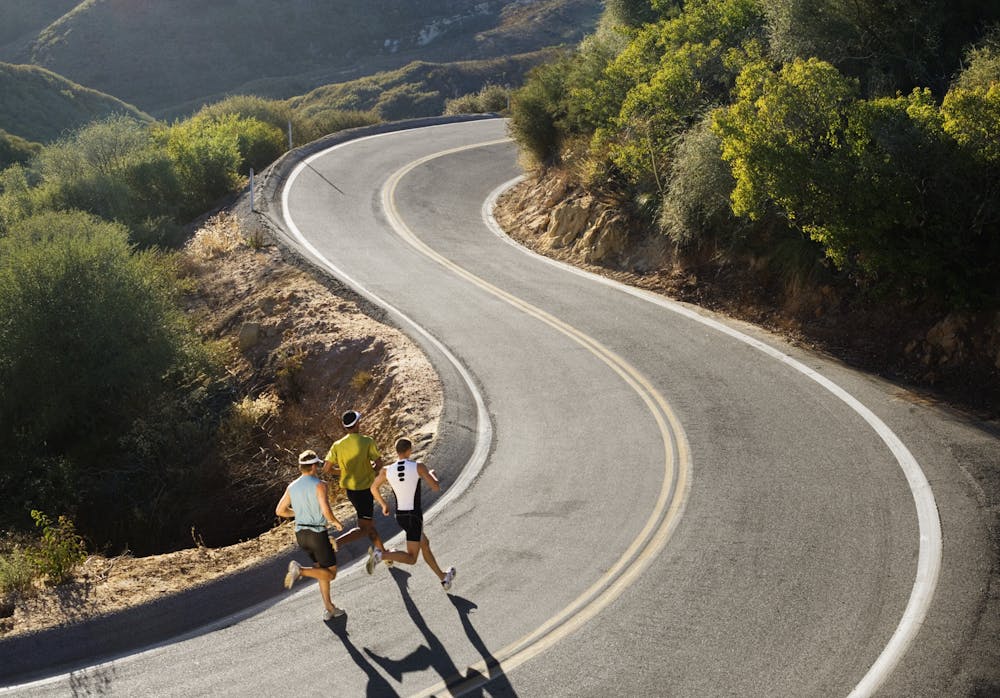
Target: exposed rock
567	221
960	354
606	238
249	336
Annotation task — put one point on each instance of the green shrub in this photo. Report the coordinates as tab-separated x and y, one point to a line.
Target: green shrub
211	156
59	551
15	150
699	187
105	391
16	572
489	99
537	110
326	121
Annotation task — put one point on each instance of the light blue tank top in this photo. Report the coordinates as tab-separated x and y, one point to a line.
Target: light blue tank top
305	504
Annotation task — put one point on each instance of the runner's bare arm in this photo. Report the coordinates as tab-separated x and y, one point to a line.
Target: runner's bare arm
380	480
429	476
284	508
324	505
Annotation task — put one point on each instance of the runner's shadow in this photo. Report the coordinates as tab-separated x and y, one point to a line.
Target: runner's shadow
433	655
499	684
377	685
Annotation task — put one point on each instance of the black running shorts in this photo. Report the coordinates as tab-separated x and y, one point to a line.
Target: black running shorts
413	523
318	546
364	503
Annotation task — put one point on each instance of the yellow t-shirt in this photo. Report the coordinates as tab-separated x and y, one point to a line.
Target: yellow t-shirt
354	454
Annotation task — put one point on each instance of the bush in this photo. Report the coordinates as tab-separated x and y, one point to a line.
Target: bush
696	204
111	168
101	378
327	121
537	110
245	426
16	572
489	99
14	149
59	550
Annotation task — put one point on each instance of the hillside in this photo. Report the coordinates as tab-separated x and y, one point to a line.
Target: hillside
20	20
39	105
158	55
418	89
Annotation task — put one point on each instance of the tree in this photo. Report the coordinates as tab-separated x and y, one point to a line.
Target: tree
538	110
629	13
889	45
781	134
92	348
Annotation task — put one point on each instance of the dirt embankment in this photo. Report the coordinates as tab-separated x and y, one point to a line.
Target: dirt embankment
952	357
300	353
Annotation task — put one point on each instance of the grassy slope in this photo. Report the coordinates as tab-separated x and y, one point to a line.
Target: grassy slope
39	105
418	89
24	19
181	52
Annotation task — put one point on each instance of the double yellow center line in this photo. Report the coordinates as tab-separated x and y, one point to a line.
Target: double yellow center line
676	465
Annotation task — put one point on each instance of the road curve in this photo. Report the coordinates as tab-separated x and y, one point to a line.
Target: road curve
657	506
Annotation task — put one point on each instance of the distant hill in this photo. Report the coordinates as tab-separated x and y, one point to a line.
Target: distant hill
25	19
38	105
166	54
418	89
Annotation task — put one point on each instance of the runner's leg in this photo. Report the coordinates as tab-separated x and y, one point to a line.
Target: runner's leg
324	576
407	558
425	548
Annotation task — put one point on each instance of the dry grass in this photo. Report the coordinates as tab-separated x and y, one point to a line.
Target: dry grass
219	236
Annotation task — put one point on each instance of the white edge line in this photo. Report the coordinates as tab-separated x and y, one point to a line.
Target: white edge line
929	558
468	473
484	428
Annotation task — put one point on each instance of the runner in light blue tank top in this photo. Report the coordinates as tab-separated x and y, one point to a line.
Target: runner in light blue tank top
308	514
306	500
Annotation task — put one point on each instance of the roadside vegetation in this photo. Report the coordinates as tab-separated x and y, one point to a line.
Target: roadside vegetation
753	134
112	405
119	417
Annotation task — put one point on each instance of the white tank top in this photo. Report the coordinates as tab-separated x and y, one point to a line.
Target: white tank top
405	481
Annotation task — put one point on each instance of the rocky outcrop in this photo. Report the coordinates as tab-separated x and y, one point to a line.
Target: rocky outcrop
957	355
957	339
594	230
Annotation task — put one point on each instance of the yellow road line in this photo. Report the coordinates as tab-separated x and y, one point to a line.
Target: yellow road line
676	466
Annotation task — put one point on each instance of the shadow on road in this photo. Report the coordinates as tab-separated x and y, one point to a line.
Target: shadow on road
434	656
377	685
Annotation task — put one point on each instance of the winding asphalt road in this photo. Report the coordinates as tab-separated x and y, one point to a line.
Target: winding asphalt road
646	500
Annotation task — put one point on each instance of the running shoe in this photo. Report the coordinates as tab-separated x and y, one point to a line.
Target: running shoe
448	577
335	613
294	572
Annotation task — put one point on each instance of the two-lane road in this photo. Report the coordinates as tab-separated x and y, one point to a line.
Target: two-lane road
657	506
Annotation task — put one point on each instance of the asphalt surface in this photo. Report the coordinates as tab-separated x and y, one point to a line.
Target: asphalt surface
660	509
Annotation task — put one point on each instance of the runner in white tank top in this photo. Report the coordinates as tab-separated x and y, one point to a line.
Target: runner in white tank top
404	476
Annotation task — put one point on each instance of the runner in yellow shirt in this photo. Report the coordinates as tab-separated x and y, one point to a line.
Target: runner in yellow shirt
355	460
